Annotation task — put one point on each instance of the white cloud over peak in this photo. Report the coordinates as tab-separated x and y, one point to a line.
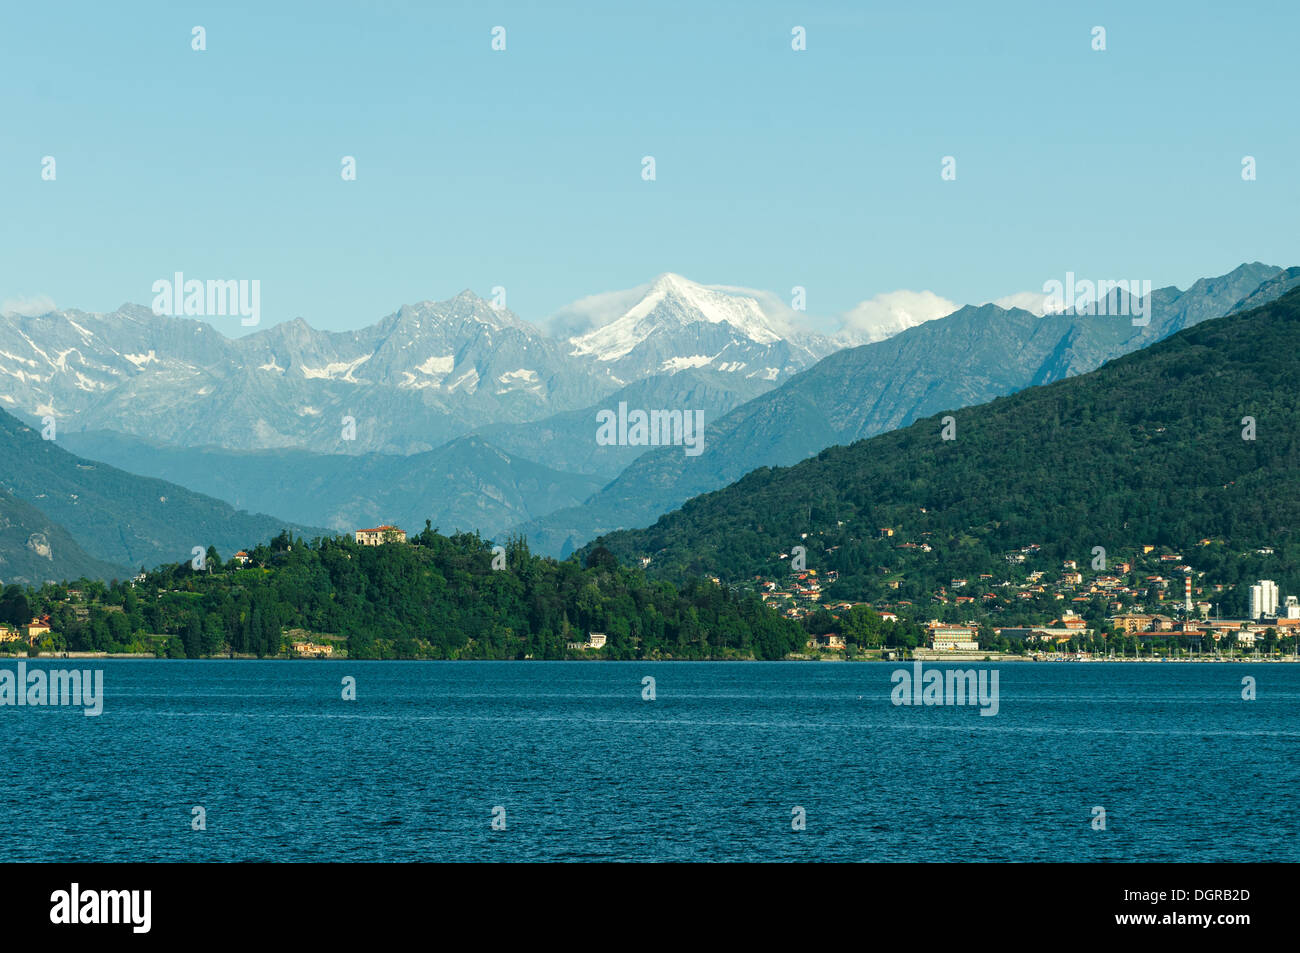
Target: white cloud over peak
874	319
29	306
887	314
593	311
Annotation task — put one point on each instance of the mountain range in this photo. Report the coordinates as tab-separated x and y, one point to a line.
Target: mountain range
967	358
464	485
450	428
424	375
1191	444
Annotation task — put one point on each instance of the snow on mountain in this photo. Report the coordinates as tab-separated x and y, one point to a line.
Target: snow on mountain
678	324
673	303
410	382
425	374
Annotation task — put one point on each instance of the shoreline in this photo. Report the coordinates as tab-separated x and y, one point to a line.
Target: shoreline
990	659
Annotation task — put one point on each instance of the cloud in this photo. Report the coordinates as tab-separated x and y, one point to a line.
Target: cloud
887	314
874	319
1031	301
777	310
29	306
593	311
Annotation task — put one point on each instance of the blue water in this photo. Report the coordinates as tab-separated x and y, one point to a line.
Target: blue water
710	770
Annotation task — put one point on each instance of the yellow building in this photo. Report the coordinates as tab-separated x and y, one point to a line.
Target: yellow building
1132	622
380	535
312	650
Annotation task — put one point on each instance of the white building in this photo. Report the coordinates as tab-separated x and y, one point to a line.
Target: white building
953	638
380	535
1263	599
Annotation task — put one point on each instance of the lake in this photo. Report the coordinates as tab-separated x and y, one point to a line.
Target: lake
581	767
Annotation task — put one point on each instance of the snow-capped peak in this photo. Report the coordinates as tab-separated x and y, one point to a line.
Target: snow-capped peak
673	302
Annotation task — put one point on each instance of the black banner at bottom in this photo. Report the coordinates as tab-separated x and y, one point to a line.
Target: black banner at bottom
141	903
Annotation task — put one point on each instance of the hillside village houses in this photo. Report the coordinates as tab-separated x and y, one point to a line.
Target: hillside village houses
1134	597
1148	608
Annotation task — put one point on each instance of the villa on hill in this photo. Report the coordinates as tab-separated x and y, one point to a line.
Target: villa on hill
380	535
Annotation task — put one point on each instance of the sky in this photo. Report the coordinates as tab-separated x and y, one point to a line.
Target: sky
522	168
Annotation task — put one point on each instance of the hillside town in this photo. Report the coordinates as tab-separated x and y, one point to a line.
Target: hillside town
1152	604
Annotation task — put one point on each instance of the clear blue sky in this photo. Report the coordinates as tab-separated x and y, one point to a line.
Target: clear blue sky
523	168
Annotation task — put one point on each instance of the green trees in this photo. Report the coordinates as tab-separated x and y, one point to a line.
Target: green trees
213	636
1270	640
15	609
435	597
863	627
192	638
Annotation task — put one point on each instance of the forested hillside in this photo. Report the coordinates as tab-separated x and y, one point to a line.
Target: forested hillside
433	597
1153	448
115	517
972	356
